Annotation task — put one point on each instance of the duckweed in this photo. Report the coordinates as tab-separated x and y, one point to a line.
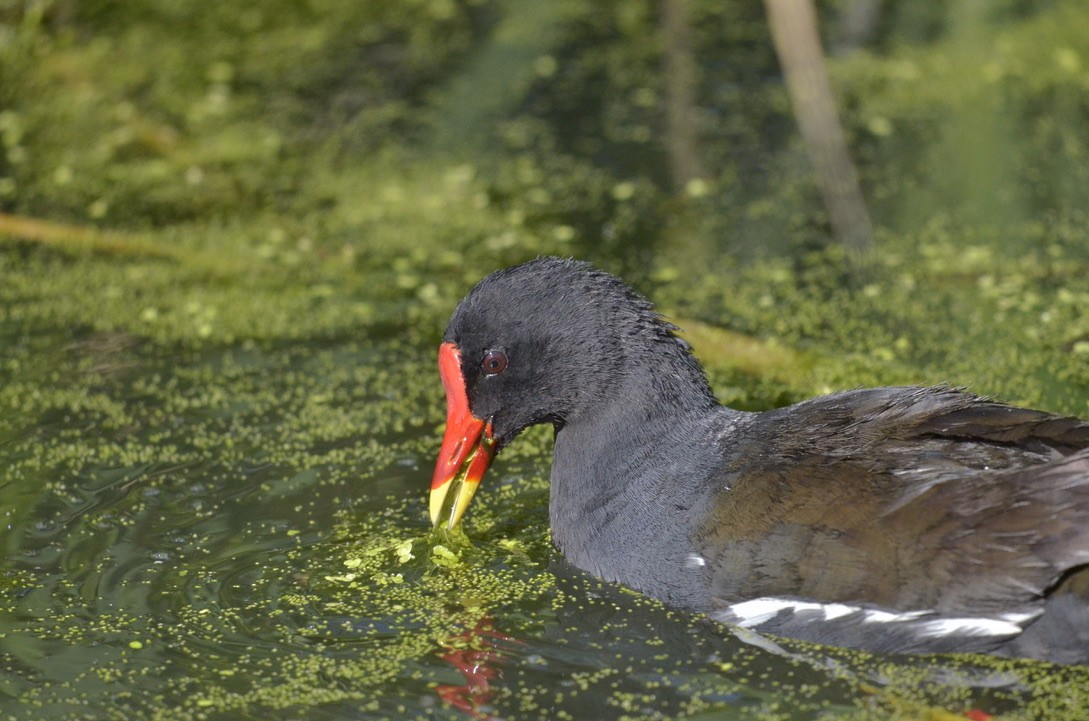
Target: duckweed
222	283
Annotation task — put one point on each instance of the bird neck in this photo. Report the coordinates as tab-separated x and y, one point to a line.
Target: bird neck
645	375
613	465
653	387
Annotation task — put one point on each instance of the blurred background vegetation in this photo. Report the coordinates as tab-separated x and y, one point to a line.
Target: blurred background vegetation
196	172
231	234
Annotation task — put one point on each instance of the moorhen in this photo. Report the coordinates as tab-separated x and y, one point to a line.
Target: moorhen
905	519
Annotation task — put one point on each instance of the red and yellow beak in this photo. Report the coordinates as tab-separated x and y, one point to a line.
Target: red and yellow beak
467	446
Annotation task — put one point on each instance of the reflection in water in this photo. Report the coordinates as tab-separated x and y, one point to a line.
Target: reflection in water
478	655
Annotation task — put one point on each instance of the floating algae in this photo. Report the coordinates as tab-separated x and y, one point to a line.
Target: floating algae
327	600
215	458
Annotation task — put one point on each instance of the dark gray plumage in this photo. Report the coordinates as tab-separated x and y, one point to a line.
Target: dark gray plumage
931	519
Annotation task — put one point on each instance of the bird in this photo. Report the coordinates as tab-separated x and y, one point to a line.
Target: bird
899	520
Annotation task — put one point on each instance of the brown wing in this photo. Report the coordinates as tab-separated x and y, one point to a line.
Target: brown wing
904	498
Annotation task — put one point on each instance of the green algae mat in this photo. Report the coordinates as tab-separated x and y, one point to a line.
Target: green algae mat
233	532
230	236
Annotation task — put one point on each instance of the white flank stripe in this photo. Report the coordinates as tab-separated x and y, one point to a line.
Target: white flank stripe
871	615
751	614
757	611
695	560
969	627
1020	618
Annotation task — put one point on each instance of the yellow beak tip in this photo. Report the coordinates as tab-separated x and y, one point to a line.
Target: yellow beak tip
438	496
453	509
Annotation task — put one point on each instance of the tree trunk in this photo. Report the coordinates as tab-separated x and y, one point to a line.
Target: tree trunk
797	43
680	87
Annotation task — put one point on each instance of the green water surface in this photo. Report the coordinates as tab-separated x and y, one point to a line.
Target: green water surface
218	399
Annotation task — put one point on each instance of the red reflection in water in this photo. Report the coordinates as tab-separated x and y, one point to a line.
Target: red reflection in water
478	655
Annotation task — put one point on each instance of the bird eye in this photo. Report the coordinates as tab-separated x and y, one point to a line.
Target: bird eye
495	361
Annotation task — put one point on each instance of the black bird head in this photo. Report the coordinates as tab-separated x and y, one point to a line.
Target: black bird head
549	341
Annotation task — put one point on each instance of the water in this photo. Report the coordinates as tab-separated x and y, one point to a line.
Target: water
218	419
241	533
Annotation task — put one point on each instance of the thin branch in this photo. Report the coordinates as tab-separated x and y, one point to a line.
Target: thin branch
76	238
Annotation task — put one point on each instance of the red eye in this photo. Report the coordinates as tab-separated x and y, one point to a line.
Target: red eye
495	361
